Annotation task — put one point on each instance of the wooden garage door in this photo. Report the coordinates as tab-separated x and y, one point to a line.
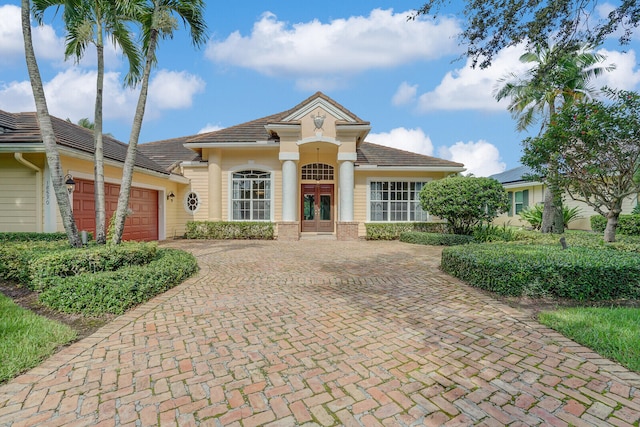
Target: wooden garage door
142	225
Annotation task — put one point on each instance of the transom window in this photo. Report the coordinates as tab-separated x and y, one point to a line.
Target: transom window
396	201
251	196
317	171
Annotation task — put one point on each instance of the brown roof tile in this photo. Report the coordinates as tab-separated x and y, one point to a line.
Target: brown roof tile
168	152
255	130
374	154
26	130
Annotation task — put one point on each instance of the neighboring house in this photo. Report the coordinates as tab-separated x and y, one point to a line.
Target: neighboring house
307	169
523	193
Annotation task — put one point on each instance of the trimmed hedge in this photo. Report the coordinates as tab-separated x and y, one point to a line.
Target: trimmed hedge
225	230
435	239
392	230
32	237
15	257
628	225
576	273
48	270
117	291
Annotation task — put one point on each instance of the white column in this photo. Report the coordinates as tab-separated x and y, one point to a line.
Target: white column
346	190
289	190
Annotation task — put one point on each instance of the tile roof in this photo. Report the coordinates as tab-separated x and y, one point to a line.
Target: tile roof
255	130
23	128
512	175
168	152
374	154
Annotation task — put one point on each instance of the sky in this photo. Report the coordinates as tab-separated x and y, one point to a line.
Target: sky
406	77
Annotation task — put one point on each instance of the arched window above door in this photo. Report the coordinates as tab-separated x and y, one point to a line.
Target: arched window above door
317	172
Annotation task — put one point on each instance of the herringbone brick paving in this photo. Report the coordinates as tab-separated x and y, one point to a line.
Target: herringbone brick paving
322	333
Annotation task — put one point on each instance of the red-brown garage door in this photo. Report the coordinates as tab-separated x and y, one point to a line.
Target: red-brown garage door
142	225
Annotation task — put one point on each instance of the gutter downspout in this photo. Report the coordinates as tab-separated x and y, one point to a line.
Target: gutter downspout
25	162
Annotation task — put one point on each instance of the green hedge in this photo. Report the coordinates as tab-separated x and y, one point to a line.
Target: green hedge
392	230
117	291
225	230
32	237
15	257
47	270
628	225
576	273
435	239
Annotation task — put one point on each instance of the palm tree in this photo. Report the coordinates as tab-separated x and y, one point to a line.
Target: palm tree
157	20
89	22
557	79
46	130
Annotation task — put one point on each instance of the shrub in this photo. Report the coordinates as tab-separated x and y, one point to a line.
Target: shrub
32	237
576	273
50	268
627	224
225	230
493	233
117	291
533	215
435	239
15	257
392	230
464	201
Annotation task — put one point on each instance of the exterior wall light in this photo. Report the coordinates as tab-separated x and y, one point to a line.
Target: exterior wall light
70	183
171	196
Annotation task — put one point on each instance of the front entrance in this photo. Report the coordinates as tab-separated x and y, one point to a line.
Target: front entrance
317	208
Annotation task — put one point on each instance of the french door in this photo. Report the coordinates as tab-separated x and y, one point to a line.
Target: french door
317	208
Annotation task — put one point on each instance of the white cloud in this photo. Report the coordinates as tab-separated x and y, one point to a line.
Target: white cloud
406	94
626	74
71	94
472	88
479	158
210	128
46	43
413	140
340	47
174	90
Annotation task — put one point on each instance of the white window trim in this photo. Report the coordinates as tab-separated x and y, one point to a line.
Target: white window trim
250	166
390	179
184	202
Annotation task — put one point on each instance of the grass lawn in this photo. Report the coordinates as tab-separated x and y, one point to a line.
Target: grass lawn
26	338
612	332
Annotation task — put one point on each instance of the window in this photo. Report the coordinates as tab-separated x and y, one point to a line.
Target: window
191	202
251	196
318	172
518	201
396	201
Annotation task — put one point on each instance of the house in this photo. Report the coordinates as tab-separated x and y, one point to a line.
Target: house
308	170
524	193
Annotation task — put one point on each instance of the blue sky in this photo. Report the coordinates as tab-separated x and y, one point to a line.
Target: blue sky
405	77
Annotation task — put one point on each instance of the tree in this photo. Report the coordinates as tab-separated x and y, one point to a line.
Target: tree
88	22
46	130
598	148
464	202
538	96
157	21
491	25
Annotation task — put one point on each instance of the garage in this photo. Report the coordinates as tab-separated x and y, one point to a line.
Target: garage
141	225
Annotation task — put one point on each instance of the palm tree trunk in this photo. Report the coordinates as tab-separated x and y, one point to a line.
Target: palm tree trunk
98	143
127	172
46	130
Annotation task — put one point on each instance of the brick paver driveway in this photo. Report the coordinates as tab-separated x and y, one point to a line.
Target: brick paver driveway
322	333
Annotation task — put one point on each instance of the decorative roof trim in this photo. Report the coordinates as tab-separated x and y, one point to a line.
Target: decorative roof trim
319	103
319	138
412	168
